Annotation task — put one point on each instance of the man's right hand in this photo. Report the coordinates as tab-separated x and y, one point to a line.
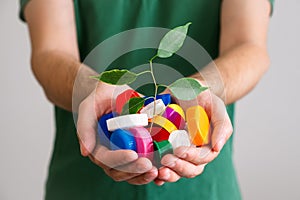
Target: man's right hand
120	165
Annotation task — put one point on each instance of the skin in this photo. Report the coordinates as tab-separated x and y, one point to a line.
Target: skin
55	56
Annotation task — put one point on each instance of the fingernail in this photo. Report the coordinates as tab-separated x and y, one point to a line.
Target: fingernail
161	183
82	150
183	156
171	164
220	145
165	177
149	175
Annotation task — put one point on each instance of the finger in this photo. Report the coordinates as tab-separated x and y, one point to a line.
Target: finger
117	90
166	175
144	178
197	156
207	99
112	159
86	126
119	176
182	167
221	127
141	165
159	182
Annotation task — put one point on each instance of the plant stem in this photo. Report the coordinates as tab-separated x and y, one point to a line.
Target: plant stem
162	85
151	60
144	72
156	88
95	77
154	80
148	98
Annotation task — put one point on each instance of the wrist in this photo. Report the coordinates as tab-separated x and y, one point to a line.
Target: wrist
105	91
213	86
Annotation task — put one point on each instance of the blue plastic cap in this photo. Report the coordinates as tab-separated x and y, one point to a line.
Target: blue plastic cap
122	139
103	132
166	98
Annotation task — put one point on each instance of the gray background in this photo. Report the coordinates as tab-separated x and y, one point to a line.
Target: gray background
267	155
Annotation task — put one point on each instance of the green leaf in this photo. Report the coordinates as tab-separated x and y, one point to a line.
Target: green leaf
186	89
117	77
133	106
172	41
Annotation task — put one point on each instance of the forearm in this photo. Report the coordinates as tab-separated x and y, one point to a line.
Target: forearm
60	75
243	49
236	72
55	56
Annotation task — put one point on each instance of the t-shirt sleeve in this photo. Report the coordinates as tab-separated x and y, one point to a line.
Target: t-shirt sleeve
23	3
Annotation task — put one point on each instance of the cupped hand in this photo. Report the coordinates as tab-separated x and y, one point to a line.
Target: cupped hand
189	162
120	165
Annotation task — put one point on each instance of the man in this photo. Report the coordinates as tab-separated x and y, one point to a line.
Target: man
63	32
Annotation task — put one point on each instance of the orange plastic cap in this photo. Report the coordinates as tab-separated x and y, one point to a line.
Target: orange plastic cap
198	125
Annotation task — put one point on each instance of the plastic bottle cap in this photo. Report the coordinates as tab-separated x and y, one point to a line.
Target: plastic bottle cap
149	109
144	142
103	132
166	98
161	149
179	138
198	125
123	98
174	117
159	134
122	139
164	123
127	121
178	109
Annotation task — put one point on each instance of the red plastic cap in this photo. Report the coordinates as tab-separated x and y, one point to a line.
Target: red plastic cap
123	98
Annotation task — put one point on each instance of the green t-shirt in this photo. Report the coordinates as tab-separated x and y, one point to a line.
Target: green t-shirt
72	176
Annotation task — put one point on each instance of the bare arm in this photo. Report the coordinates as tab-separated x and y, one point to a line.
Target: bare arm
55	57
242	62
243	51
56	65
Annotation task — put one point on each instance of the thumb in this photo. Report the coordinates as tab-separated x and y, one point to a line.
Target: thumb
221	126
222	130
